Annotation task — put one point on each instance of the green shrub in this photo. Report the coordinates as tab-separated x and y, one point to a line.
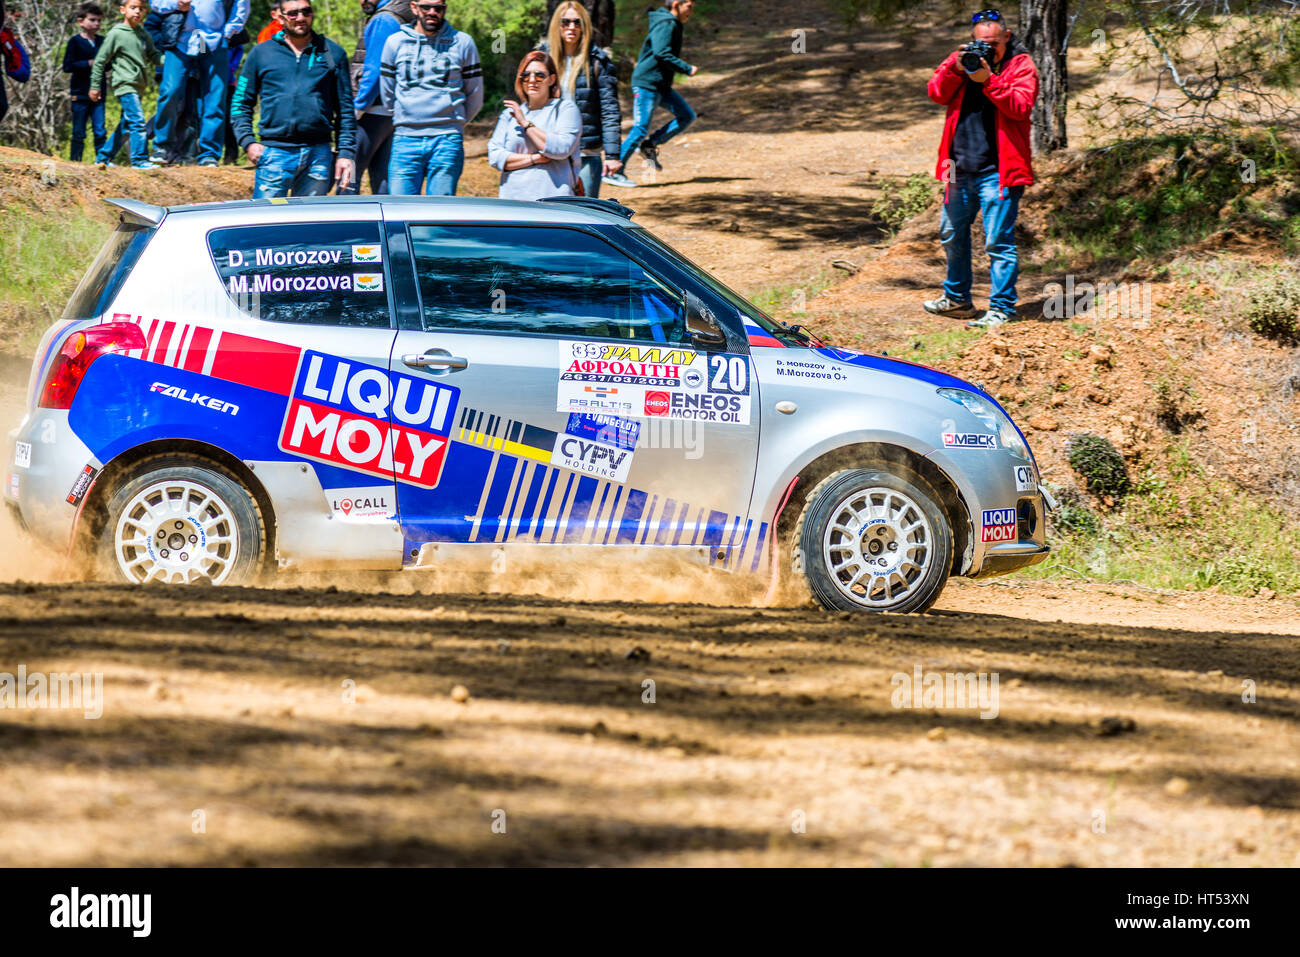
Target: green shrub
1100	465
1274	310
902	199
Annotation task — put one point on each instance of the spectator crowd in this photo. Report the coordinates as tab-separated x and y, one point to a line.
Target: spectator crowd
311	119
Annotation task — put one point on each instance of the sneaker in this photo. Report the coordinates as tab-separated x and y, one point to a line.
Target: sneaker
159	157
208	162
619	179
943	306
994	317
651	155
145	165
99	165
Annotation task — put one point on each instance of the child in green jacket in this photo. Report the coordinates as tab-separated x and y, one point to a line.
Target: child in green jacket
129	53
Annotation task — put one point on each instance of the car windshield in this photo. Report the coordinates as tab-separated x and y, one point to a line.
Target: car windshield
790	335
109	270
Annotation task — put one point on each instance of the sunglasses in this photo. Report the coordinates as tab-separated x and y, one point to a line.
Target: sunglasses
533	75
431	7
986	15
567	22
296	13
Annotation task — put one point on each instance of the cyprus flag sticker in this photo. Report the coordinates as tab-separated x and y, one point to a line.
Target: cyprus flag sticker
368	281
366	254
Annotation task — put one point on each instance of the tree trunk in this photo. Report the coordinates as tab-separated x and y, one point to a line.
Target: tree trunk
1043	26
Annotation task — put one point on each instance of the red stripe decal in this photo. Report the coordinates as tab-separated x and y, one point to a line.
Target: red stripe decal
259	363
198	350
159	351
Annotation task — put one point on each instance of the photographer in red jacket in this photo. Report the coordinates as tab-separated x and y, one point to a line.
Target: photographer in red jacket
13	56
984	162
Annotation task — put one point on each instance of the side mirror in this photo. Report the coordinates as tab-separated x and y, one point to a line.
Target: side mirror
702	325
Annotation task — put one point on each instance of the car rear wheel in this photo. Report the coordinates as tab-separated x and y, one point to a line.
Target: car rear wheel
872	540
182	520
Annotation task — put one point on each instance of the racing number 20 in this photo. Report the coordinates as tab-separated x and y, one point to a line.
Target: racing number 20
728	374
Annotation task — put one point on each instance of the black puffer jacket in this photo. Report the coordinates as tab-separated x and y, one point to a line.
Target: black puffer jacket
602	117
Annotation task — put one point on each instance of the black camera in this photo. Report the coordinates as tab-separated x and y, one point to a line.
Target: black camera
973	52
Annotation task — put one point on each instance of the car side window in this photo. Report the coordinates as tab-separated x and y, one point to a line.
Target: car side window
329	274
550	281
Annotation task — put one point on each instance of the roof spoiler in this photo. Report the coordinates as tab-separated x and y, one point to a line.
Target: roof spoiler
611	206
139	212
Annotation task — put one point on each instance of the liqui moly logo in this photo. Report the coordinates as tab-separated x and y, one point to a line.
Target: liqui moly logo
367	419
999	525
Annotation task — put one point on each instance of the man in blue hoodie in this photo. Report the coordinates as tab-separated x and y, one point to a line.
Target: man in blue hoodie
374	120
431	78
202	50
652	85
306	93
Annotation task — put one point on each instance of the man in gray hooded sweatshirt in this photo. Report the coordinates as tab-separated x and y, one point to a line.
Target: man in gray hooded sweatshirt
431	78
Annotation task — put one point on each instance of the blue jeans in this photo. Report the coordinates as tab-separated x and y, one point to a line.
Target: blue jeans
589	172
131	127
81	111
972	193
643	106
434	162
212	70
304	171
374	151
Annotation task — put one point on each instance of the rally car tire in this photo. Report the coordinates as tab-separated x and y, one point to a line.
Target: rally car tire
182	520
871	540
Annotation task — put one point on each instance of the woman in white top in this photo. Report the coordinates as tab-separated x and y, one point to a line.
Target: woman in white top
535	144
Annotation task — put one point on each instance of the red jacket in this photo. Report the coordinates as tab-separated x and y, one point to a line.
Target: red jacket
1013	92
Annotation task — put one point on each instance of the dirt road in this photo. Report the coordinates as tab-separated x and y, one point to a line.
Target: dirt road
312	725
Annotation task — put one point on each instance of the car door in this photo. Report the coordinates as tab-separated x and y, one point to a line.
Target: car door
580	412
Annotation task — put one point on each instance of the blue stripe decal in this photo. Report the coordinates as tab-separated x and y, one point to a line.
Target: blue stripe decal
577	525
665	523
740	553
636	500
758	547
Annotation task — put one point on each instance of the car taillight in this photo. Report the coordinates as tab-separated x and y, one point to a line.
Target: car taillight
81	349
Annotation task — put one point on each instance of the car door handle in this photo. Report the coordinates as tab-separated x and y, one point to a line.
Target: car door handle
424	360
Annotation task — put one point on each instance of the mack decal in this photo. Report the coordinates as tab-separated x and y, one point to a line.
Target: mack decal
364	418
208	402
970	440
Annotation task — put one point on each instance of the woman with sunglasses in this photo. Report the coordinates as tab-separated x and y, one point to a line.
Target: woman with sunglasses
589	78
535	143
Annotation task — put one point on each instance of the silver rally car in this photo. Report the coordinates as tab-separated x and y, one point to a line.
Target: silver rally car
389	382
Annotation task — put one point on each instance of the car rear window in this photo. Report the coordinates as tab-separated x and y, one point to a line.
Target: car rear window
106	274
329	274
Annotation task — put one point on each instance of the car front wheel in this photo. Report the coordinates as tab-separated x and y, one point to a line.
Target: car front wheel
182	520
871	540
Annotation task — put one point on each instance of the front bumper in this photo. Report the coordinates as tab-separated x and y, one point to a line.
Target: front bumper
988	481
1001	559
